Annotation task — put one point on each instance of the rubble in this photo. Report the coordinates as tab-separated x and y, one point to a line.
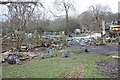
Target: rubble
82	41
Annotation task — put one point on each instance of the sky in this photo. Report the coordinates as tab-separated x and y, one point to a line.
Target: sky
81	5
84	4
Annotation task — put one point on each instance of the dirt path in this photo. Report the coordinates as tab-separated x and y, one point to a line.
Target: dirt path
99	49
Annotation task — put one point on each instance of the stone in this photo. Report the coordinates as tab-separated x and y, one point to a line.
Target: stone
66	53
42	55
51	52
10	59
17	60
86	50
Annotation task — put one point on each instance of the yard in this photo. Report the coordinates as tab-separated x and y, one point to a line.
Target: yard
83	65
42	41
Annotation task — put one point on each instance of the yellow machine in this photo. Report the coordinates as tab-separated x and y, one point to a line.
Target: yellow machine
115	27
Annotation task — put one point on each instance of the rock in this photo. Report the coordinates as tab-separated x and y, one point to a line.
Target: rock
18	61
51	52
66	53
42	56
10	59
86	50
69	35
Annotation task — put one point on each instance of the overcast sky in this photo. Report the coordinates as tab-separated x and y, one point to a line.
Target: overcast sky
81	5
84	4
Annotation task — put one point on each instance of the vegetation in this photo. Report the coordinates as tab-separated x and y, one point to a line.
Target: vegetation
78	35
111	44
77	65
27	21
25	18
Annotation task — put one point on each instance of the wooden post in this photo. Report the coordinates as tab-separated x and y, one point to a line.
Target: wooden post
118	34
103	31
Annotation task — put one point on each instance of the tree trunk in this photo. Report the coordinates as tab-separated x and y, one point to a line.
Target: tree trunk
19	41
67	29
103	32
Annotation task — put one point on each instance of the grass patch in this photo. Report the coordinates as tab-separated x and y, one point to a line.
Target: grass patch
77	65
116	54
78	35
112	44
72	49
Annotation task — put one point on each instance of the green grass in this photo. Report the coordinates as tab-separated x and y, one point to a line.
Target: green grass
116	54
77	65
78	35
111	44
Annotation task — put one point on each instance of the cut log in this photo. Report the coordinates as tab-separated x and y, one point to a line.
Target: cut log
116	57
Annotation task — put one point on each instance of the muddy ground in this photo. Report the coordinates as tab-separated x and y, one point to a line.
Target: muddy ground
99	49
109	68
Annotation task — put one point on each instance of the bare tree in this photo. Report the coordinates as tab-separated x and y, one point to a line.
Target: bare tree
60	24
99	13
86	20
64	6
20	14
